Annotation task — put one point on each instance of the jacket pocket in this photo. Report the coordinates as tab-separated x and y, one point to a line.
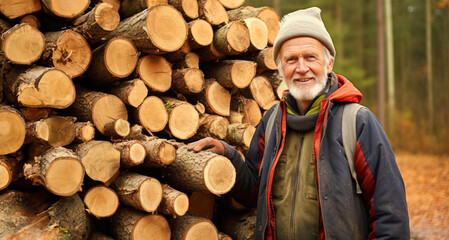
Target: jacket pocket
278	188
311	192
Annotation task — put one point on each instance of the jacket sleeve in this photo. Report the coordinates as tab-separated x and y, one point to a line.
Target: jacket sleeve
381	180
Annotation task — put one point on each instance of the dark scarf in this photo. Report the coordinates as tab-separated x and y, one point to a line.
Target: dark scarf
307	122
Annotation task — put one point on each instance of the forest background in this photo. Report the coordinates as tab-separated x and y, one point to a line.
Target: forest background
403	73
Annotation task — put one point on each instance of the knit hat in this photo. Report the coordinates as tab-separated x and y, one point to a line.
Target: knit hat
305	22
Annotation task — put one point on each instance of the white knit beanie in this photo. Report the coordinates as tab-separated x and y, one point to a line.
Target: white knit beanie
303	23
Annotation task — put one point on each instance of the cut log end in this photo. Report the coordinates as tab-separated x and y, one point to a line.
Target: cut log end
167	153
202	229
107	109
152	227
258	33
120	57
65	9
219	175
23	44
181	205
218	99
150	194
201	33
101	201
183	121
156	72
12	134
5	176
107	17
153	114
242	73
65	176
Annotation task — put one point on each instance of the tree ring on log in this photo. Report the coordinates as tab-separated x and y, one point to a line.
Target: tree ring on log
219	175
151	227
12	134
65	176
150	194
120	57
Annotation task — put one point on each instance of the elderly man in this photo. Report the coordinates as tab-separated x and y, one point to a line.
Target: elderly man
296	169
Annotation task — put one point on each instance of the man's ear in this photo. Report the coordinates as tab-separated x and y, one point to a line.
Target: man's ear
330	66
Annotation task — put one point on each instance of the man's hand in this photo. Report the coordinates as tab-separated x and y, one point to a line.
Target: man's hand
207	144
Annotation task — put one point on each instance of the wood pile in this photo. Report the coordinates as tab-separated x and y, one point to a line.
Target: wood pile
99	99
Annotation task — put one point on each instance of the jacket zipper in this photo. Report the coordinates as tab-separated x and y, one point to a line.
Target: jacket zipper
295	189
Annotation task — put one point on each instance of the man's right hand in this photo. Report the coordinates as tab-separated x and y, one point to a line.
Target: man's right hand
207	144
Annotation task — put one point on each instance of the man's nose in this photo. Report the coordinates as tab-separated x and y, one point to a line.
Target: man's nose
301	67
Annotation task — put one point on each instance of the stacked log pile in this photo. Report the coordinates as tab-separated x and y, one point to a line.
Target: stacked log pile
99	99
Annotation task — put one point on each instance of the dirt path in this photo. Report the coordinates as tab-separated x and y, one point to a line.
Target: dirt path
426	180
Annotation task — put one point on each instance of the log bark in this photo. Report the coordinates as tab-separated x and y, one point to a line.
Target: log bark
232	39
183	118
34	114
223	236
131	7
174	202
67	50
13	131
266	14
100	159
55	131
188	81
248	108
209	53
189	227
148	29
138	191
16	8
213	12
32	20
258	33
115	3
97	107
23	44
206	171
239	225
240	134
101	201
58	169
84	132
39	87
156	72
263	58
131	92
119	128
202	204
112	61
215	98
212	125
190	60
63	9
98	22
188	8
277	83
151	114
132	153
160	152
261	90
11	170
128	223
232	73
200	33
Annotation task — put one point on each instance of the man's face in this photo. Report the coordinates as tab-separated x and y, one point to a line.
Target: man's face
304	67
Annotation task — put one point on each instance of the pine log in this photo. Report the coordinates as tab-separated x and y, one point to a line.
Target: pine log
155	71
212	125
215	98
131	7
206	171
11	170
277	83
97	107
84	132
174	202
128	223
34	114
200	33
148	29
232	39
202	204
112	61
131	92
258	33
55	131
58	169
223	236
261	90
190	227
132	153
188	8
100	159
138	191
183	118
16	8
23	44
232	73
209	53
240	134
266	14
249	109
232	4
67	50
12	135
263	58
101	201
188	81
239	225
190	60
39	87
213	12
160	152
115	3
98	22
32	20
151	114
64	9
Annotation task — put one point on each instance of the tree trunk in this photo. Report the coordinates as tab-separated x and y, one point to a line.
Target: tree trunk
84	132
212	125
65	10
183	118
174	202
232	73
160	152
100	159
16	8
98	22
148	29
39	87
67	50
260	90
213	12
23	44
131	92
240	134
190	227
215	98
138	191
232	39
132	153
248	108
201	33
58	169
118	128
239	225
188	8
206	171
112	61
188	81
156	72
130	7
128	223
13	130
101	201
55	131
151	114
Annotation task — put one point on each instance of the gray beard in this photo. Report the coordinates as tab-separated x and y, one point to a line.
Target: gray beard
302	94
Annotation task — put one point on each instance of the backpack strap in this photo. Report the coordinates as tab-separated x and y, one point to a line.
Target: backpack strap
348	128
268	129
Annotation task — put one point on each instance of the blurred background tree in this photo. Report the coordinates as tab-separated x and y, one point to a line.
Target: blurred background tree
417	105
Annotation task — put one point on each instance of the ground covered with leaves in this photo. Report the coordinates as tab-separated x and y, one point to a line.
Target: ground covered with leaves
426	179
